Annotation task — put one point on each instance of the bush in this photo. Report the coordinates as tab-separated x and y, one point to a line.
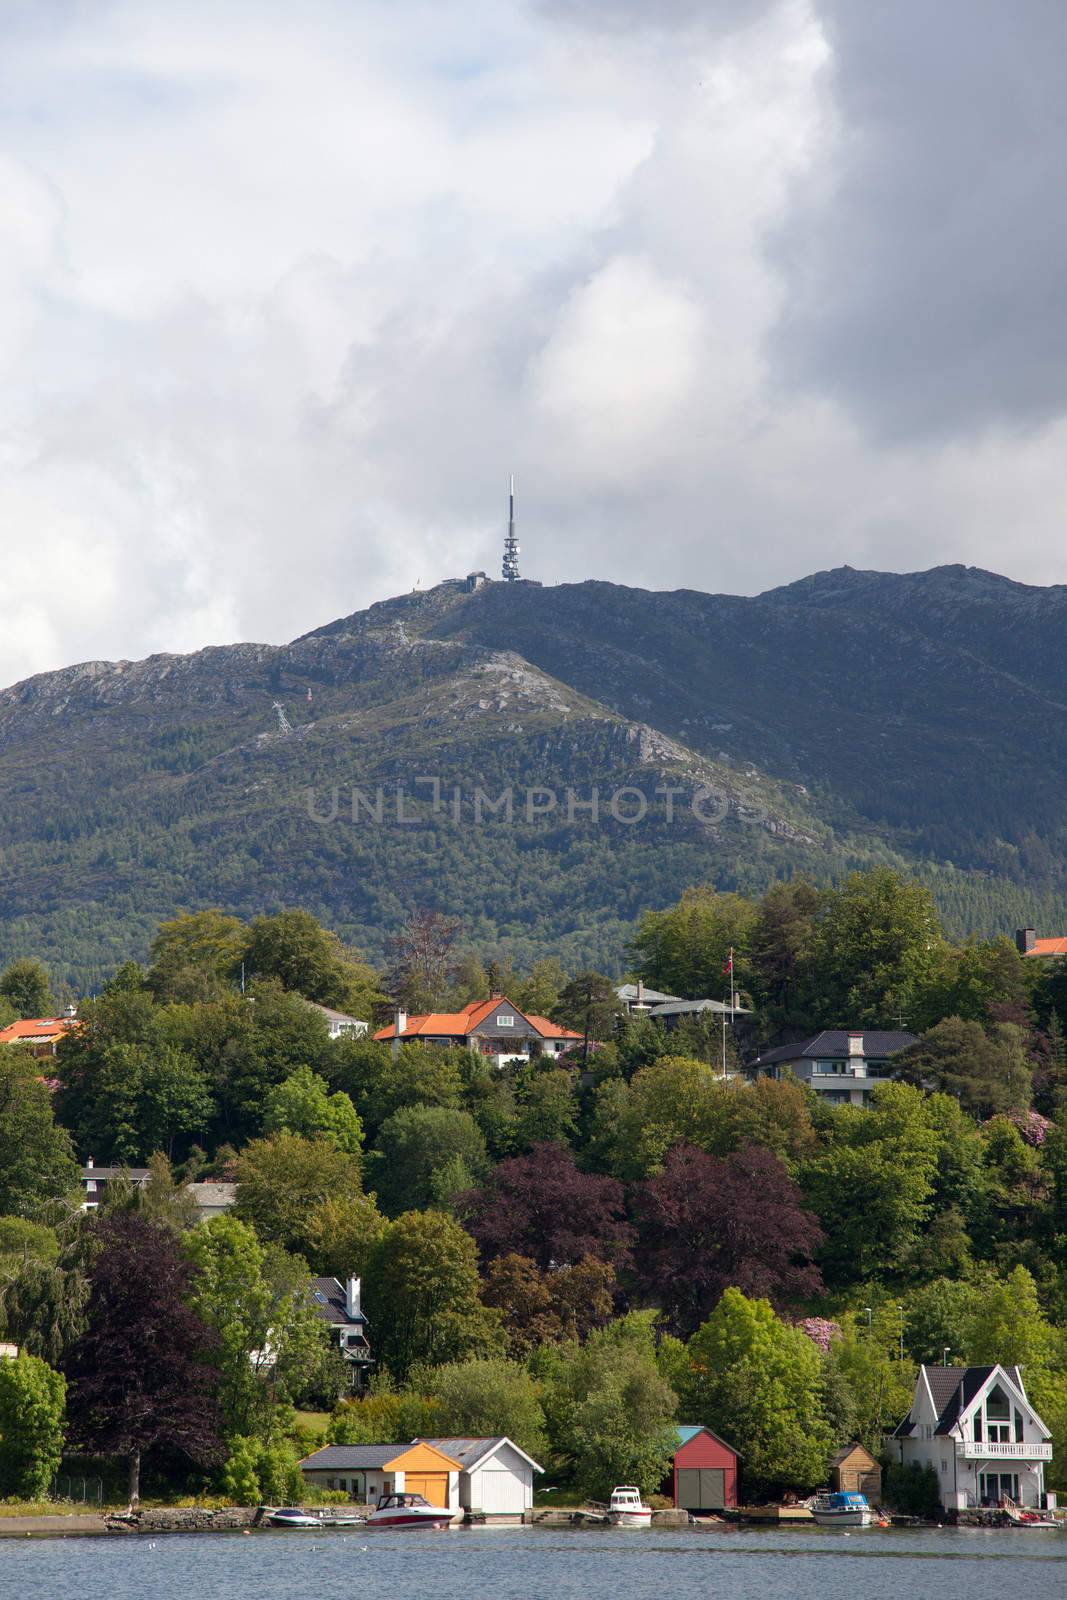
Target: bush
911	1490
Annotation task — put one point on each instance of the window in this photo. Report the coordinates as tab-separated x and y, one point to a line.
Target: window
505	1019
318	1295
978	1427
998	1417
1018	1427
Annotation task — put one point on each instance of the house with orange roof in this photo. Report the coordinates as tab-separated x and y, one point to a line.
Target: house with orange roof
1028	944
494	1027
41	1034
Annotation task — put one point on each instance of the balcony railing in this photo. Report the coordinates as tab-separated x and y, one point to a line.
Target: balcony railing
988	1451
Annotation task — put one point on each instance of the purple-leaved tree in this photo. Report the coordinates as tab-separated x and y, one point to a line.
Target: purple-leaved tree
541	1206
141	1375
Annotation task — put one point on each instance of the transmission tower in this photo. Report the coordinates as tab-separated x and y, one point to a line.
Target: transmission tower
284	725
511	544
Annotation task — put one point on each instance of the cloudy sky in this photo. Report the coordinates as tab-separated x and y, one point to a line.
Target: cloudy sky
287	290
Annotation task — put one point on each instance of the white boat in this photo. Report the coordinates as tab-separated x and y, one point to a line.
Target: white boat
407	1511
842	1510
626	1509
292	1517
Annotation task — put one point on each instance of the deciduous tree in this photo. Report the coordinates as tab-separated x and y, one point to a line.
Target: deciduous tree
422	1280
540	1205
32	1417
141	1375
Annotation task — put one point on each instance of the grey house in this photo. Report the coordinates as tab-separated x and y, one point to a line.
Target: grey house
841	1067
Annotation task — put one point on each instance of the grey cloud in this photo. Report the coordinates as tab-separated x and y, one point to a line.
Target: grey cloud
720	16
925	283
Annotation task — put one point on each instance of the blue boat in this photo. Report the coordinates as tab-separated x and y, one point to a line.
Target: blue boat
842	1510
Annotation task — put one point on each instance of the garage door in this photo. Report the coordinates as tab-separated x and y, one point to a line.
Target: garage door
701	1488
433	1486
502	1493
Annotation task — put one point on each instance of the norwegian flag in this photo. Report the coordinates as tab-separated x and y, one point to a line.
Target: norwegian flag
729	967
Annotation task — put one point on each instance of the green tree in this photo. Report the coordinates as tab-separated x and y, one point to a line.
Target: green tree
987	1071
415	1146
539	993
675	1099
281	1180
340	1233
758	1383
547	1107
196	956
684	949
32	1418
307	958
876	948
36	1160
422	1280
589	1005
610	1412
880	1386
302	1104
871	1185
380	1083
25	984
136	1099
268	1334
486	1397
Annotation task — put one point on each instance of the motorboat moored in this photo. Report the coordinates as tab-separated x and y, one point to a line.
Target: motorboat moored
626	1509
842	1509
292	1517
408	1511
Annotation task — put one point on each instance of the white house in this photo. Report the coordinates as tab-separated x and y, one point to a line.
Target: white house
979	1432
496	1477
339	1024
341	1306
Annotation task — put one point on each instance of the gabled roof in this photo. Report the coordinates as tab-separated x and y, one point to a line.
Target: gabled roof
135	1174
330	1302
954	1389
832	1045
335	1016
459	1024
847	1450
686	1432
470	1453
1047	947
371	1457
209	1192
686	1008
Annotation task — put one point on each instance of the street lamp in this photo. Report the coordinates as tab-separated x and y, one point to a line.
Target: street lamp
869	1314
945	1354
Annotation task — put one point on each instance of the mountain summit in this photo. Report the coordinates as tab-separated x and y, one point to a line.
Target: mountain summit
850	717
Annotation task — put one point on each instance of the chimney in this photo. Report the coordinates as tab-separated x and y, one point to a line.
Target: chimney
88	1161
352	1305
640	992
400	1020
855	1045
1024	941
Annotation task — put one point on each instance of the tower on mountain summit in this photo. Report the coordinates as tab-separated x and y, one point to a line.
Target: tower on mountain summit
511	544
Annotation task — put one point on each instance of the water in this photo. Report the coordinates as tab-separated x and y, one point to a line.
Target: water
543	1564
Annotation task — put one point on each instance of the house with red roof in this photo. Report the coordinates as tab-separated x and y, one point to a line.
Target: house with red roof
1028	944
41	1034
494	1027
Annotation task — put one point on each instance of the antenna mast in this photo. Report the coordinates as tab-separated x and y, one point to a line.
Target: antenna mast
284	725
511	544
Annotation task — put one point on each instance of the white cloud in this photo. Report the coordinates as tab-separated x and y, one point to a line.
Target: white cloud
286	292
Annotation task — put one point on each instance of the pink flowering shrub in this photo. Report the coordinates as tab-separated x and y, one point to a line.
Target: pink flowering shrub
820	1330
1032	1126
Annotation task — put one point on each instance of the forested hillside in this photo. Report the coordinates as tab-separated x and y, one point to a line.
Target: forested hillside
851	719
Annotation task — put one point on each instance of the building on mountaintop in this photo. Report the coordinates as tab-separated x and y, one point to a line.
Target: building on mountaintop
978	1431
492	1027
842	1067
1028	944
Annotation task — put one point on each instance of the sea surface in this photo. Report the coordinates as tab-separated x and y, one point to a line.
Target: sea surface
511	1563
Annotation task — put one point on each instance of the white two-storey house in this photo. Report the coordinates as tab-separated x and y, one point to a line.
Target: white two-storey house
981	1435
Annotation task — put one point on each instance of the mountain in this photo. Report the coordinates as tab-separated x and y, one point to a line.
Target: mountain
849	718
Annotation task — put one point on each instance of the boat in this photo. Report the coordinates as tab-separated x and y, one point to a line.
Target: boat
340	1519
407	1511
842	1510
292	1517
626	1509
1031	1519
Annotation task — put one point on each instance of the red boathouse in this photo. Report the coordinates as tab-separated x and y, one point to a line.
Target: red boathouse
705	1471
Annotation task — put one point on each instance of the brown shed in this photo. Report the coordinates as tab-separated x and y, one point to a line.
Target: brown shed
855	1470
